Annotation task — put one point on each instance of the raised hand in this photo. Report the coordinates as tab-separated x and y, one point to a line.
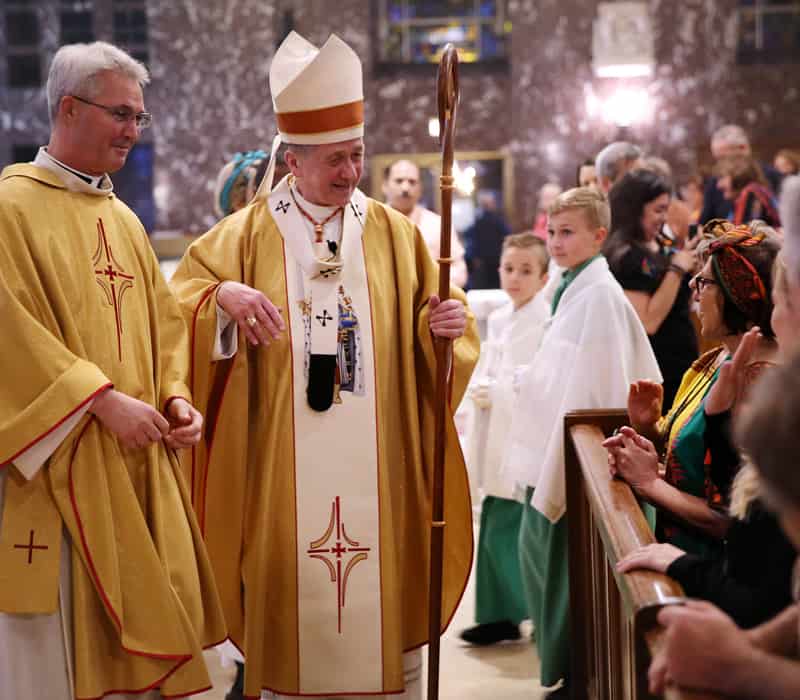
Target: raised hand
645	404
135	423
257	316
732	375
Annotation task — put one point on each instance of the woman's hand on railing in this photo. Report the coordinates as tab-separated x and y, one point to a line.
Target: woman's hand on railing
654	557
632	457
645	404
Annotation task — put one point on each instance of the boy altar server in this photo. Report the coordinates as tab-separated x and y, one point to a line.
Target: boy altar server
514	333
313	482
594	348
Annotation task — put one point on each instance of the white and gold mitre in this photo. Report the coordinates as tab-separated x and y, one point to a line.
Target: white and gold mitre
318	94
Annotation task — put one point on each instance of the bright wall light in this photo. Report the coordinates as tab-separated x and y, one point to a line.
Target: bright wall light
624	70
433	127
624	107
464	180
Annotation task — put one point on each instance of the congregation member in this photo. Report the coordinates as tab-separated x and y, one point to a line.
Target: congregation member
402	188
703	647
613	161
594	348
733	290
483	241
312	314
730	142
514	333
586	176
750	580
742	183
238	181
654	275
105	586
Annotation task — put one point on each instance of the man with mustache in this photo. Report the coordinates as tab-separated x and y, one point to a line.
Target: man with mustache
402	188
105	587
312	314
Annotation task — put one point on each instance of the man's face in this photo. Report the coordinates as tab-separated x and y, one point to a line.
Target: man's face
328	174
402	187
104	141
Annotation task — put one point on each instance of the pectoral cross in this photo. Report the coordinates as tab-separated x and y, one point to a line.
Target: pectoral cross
324	318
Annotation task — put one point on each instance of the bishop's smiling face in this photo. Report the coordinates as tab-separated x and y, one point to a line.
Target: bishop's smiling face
329	173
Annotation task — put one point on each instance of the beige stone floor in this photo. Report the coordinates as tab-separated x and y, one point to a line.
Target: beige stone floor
504	672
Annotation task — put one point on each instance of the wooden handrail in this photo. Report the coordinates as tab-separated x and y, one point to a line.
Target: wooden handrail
613	616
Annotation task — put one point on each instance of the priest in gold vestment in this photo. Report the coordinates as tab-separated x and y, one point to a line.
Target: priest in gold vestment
312	313
105	586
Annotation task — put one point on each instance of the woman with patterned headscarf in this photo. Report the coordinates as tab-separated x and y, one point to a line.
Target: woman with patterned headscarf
238	181
688	475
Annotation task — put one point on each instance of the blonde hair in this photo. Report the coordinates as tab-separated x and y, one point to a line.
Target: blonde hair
746	488
527	241
589	200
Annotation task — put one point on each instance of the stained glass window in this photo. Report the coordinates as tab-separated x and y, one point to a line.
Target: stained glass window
769	31
131	29
416	31
77	21
23	37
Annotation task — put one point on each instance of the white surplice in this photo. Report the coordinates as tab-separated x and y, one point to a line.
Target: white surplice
513	339
593	348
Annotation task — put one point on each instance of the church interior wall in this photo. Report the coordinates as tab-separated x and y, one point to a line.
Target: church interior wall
209	92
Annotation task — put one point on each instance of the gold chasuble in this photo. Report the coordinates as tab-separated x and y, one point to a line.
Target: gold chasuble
317	523
84	307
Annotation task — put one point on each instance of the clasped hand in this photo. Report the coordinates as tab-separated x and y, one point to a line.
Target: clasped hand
632	457
137	424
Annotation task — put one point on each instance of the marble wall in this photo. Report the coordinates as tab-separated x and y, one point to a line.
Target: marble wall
209	94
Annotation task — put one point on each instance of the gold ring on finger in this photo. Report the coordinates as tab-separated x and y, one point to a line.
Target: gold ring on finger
251	321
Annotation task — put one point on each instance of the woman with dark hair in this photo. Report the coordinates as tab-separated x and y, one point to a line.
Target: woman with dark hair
688	476
741	180
653	274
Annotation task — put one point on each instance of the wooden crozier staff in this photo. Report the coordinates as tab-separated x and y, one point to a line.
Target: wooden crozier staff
447	88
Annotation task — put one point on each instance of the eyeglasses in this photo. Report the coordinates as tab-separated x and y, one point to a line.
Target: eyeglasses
122	114
700	283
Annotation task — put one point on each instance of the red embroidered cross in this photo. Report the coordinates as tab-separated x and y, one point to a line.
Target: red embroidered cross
106	277
339	549
30	547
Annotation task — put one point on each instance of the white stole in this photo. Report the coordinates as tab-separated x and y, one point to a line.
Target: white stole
336	471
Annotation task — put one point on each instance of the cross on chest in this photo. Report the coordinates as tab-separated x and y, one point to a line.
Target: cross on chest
283	207
30	547
324	318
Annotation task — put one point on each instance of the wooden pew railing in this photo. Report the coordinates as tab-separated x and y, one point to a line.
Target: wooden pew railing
614	631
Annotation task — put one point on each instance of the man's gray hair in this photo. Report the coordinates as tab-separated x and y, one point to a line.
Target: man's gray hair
609	161
75	68
730	135
790	217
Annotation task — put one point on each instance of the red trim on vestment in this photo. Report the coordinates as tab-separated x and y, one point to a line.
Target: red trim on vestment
45	434
294	459
378	448
191	372
179	658
201	517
